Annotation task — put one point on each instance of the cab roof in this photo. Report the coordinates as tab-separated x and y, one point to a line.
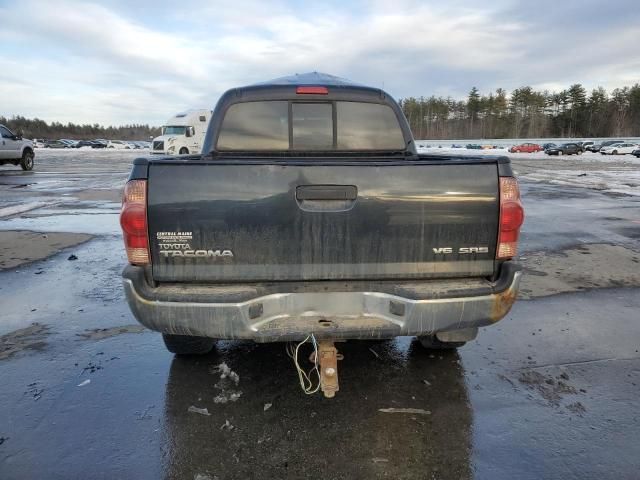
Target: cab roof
311	78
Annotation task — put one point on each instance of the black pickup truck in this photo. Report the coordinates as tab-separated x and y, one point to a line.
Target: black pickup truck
310	211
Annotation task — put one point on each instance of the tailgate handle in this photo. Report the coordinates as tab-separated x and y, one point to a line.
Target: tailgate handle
326	192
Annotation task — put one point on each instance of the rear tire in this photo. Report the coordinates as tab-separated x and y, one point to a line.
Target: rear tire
184	151
26	162
615	152
431	342
188	345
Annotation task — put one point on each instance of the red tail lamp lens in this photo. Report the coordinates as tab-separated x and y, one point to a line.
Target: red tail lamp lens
511	218
133	220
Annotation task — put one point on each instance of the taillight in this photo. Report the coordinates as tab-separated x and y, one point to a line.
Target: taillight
511	218
133	220
312	91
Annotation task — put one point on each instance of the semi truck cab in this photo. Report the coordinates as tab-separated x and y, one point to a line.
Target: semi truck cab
183	134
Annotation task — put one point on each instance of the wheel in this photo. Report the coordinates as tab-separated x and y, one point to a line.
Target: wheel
431	342
184	151
615	152
188	345
27	160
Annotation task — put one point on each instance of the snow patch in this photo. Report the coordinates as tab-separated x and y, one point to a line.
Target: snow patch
20	208
623	179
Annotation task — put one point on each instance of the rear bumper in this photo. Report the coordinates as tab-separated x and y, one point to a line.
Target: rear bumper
285	312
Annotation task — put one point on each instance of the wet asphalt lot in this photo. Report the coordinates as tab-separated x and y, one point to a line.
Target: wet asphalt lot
549	392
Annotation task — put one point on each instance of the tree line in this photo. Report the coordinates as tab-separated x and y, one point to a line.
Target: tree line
527	113
36	128
524	113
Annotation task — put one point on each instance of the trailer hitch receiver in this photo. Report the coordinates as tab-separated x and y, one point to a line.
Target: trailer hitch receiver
328	357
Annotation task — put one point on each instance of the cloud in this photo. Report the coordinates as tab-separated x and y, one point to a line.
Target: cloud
141	62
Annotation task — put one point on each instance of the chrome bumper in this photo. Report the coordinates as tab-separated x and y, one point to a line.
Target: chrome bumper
337	315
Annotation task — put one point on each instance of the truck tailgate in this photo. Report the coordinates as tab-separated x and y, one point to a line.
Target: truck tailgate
225	221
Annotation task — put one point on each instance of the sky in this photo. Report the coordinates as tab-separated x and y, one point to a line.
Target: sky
122	61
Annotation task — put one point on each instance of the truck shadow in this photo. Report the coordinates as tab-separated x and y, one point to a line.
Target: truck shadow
301	436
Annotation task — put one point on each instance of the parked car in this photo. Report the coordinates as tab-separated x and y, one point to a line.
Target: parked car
585	145
118	144
594	147
564	149
250	211
597	147
526	148
548	145
56	144
15	150
100	143
85	143
69	143
619	149
39	142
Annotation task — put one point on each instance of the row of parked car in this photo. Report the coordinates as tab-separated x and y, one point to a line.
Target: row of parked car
98	143
608	147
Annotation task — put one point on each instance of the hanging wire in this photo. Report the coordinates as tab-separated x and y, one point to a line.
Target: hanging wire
306	383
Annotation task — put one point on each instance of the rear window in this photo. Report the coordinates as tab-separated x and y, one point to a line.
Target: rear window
367	126
283	125
312	126
255	126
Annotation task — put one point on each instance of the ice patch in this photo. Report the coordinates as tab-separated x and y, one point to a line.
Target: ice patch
200	411
226	372
223	398
228	380
227	425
